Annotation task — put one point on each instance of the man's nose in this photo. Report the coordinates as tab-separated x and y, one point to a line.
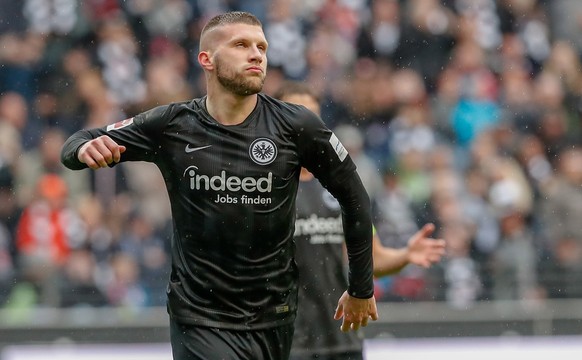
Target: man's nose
256	54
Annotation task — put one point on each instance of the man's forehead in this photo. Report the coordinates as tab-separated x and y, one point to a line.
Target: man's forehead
238	30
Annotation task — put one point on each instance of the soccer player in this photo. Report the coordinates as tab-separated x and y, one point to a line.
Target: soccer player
231	162
321	262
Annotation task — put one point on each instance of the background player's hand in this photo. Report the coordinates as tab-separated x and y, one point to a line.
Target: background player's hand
424	250
355	312
100	152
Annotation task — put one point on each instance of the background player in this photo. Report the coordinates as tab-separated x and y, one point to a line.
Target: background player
320	258
231	162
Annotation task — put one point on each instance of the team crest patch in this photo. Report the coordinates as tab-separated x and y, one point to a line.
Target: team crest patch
120	124
263	151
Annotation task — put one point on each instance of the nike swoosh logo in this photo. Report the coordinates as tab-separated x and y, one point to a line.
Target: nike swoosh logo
191	149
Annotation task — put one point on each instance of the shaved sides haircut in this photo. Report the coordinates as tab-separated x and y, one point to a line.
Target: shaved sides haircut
233	17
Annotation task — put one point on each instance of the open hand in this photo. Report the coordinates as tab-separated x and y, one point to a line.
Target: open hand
355	312
424	250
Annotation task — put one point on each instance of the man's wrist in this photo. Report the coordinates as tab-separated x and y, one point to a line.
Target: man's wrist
361	295
78	151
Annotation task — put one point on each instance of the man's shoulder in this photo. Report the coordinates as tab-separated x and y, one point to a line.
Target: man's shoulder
191	104
162	114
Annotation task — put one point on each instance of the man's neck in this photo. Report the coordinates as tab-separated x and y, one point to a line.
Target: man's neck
229	109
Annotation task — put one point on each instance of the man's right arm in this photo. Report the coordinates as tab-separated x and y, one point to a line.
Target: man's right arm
81	151
70	150
132	139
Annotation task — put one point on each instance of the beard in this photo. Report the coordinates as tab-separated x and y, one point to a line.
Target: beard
238	84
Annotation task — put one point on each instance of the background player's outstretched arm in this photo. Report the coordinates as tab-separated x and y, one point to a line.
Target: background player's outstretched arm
422	250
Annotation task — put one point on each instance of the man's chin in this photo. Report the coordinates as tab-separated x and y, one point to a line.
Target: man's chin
246	87
252	88
256	85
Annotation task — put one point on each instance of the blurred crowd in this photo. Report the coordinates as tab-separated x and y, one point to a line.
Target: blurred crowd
464	113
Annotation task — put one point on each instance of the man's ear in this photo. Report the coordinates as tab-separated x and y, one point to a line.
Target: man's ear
205	60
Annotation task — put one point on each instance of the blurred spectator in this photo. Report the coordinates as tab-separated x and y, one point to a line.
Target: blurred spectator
11	17
478	21
565	25
528	20
123	287
516	92
393	216
14	110
14	120
564	62
117	52
380	35
353	141
51	16
9	217
10	148
515	261
164	18
479	211
330	50
532	157
144	244
284	32
102	109
562	208
77	286
459	280
166	76
100	236
428	29
20	53
477	108
411	129
553	131
146	186
414	178
395	222
47	231
46	159
7	266
62	81
410	95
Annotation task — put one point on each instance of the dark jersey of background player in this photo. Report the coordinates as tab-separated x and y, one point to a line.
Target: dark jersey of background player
320	259
232	192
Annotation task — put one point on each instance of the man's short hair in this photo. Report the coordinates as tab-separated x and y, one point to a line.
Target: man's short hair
232	17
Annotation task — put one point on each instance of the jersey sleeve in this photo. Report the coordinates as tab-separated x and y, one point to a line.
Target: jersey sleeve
322	153
138	134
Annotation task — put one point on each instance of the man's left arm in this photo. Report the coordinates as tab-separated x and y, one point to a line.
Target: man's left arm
357	305
357	227
322	153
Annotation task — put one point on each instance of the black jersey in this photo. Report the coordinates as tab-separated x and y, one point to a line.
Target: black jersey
232	191
320	260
